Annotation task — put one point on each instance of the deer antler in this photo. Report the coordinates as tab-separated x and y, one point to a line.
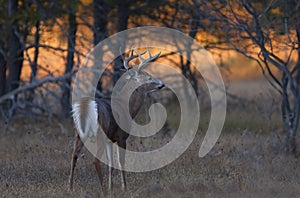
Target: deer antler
149	59
130	58
143	61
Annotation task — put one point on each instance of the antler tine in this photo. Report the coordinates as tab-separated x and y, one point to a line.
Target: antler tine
131	57
149	59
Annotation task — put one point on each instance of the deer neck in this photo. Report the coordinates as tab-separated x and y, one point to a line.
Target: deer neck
136	99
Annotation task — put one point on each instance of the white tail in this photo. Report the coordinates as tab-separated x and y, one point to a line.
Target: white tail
85	115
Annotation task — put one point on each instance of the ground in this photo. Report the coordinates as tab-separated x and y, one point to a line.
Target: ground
247	161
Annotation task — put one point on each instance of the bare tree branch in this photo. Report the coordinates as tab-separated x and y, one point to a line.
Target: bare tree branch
52	79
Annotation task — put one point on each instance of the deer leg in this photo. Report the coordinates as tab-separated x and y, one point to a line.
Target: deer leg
98	169
110	164
76	150
121	160
97	162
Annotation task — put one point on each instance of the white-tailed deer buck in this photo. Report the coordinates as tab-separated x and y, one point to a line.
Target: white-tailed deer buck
89	114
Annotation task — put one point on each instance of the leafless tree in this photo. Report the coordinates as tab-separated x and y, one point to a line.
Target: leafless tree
14	51
269	33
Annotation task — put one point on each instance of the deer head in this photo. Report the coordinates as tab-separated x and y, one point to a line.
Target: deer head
136	75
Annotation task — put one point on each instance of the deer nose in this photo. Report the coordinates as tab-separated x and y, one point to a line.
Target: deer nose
161	86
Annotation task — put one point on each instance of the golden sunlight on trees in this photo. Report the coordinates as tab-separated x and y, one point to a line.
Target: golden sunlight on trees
42	44
269	33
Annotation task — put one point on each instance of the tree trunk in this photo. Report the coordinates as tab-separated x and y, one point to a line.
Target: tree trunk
100	26
34	64
123	15
2	68
36	52
290	115
100	20
186	69
66	96
15	52
290	142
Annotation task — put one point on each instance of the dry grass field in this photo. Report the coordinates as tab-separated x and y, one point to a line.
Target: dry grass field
247	161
